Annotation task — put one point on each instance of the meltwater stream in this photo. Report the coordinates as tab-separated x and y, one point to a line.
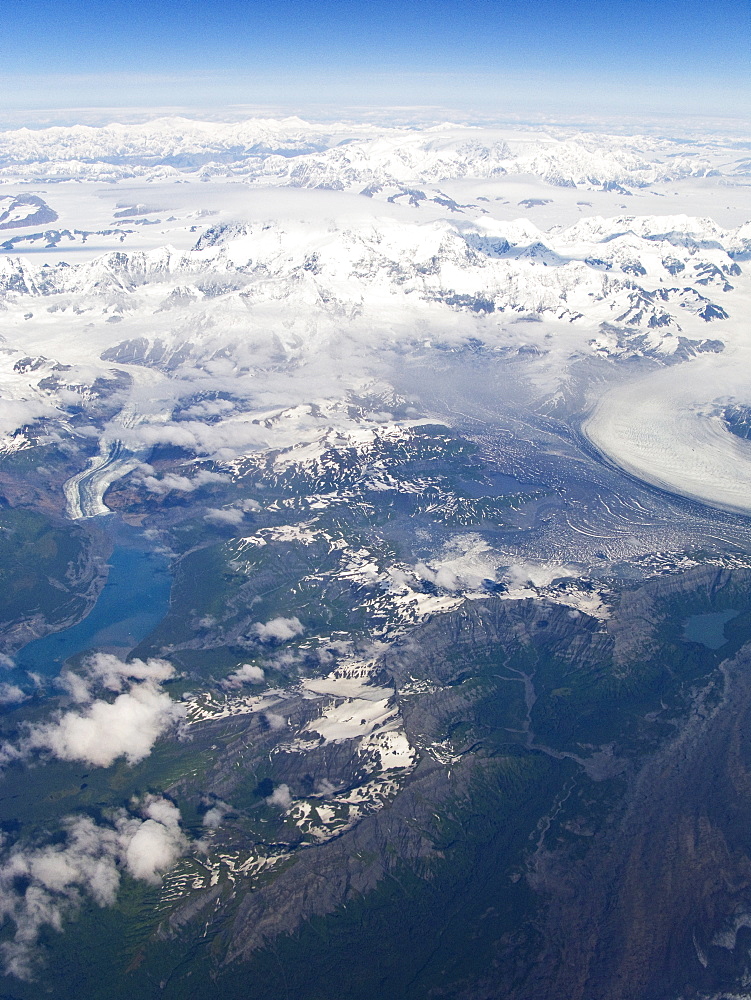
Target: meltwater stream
131	604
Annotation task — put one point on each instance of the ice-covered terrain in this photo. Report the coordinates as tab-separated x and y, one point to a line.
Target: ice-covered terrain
670	429
247	253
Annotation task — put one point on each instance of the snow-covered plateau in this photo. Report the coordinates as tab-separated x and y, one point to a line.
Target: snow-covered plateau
230	289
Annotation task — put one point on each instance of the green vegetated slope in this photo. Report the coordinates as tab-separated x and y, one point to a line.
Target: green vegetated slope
530	720
542	719
45	570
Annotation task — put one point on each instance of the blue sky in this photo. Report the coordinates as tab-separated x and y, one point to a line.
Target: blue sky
672	55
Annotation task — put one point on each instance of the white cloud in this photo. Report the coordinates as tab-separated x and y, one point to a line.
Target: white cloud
11	694
75	686
100	730
15	413
112	672
103	731
209	408
278	629
156	843
224	515
248	673
214	817
284	658
183	484
537	574
464	562
42	886
281	796
274	720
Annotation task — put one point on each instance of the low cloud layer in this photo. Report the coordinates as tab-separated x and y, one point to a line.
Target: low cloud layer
11	694
103	731
16	413
274	720
522	574
224	515
214	816
42	886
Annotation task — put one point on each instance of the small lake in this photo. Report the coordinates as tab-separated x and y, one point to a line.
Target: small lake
708	629
133	601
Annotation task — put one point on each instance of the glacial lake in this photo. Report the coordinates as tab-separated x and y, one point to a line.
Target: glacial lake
131	604
708	629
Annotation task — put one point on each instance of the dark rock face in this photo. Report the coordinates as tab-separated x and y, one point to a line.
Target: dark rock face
654	907
25	210
738	420
353	865
608	762
141	351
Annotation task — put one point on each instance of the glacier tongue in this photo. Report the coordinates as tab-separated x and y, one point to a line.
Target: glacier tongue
668	429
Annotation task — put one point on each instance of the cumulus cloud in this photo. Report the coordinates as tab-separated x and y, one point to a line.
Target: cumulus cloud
11	694
274	720
286	424
156	842
248	673
224	515
537	574
183	484
209	408
281	796
127	727
16	413
278	629
75	686
214	817
285	658
464	562
101	730
43	885
110	672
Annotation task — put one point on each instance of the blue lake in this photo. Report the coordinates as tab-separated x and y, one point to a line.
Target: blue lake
133	601
708	629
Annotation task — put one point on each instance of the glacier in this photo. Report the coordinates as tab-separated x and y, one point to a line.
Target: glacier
240	247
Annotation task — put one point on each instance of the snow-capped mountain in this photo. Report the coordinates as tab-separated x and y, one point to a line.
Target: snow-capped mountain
354	241
350	156
652	273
